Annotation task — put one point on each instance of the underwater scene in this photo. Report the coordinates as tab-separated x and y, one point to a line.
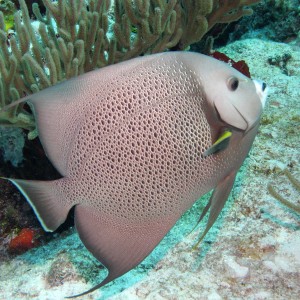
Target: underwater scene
149	149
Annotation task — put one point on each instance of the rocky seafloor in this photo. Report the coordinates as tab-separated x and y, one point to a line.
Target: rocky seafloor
253	250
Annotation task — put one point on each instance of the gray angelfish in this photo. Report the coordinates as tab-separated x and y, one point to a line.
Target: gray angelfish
136	146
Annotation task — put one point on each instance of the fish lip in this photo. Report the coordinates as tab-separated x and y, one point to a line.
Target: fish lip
262	90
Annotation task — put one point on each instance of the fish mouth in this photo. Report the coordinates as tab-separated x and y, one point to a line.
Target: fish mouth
261	90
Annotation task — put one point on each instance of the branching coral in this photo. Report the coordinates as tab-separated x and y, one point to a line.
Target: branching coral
198	17
76	36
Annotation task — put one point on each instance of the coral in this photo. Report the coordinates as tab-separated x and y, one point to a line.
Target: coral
14	213
277	20
24	241
76	36
8	8
240	65
198	17
284	201
281	62
11	145
29	6
61	271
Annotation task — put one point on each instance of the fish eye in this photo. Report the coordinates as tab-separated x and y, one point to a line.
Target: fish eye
233	84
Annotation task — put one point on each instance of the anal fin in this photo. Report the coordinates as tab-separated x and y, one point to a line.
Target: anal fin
119	245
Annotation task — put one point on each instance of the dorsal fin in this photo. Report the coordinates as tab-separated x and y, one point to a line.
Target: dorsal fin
52	107
61	110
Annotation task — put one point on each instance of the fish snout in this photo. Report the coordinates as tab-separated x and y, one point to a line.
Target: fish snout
242	110
261	90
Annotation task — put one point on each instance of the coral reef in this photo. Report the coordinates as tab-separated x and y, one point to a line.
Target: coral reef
24	241
15	213
281	62
277	20
77	36
8	8
12	141
240	65
29	6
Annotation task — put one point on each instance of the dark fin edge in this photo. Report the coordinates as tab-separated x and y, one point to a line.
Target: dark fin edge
42	197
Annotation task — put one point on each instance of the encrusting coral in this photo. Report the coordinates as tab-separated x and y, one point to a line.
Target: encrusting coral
77	36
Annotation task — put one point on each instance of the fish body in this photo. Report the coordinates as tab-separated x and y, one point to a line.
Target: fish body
129	141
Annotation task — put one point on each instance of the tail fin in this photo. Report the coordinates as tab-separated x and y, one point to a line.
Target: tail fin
46	201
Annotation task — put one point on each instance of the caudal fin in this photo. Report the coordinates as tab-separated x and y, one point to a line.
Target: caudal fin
45	199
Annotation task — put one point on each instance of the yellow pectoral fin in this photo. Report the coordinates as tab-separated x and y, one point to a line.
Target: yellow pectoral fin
220	144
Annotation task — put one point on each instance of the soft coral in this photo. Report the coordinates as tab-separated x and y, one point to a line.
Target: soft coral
241	65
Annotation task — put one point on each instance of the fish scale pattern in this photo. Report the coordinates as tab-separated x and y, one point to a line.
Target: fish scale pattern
144	138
